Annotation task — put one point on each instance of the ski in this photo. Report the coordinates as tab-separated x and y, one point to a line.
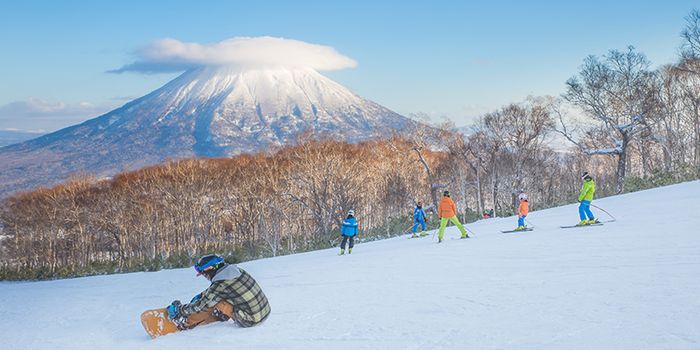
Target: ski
572	226
511	231
458	238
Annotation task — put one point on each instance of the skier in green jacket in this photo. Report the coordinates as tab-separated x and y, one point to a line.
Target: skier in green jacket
585	198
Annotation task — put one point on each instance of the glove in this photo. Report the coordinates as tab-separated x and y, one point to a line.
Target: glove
174	310
196	297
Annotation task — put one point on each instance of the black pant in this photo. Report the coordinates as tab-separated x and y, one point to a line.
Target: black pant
345	239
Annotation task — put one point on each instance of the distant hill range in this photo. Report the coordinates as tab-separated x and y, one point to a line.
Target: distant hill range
9	137
205	112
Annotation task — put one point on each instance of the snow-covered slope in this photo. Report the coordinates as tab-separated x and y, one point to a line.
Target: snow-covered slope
208	111
631	284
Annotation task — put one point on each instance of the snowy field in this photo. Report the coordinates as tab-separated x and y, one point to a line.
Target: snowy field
631	284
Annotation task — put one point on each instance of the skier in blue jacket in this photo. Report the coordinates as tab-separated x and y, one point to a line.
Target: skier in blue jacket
419	218
349	231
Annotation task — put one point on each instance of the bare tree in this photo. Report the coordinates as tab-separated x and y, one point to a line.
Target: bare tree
422	138
617	93
691	35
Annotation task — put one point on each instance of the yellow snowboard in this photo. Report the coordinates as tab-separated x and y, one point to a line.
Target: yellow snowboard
156	321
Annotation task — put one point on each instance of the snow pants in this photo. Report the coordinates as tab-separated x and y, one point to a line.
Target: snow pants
416	222
584	210
521	220
222	311
345	240
454	221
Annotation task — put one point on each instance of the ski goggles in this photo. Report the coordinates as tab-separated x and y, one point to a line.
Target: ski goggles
201	266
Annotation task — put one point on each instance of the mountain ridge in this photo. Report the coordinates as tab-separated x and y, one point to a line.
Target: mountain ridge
204	112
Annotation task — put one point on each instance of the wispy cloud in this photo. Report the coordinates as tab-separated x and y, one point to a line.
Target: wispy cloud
171	55
41	114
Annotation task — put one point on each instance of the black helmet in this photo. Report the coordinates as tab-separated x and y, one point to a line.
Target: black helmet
586	176
211	262
446	193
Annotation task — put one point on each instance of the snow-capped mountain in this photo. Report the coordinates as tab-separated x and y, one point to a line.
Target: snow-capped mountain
209	111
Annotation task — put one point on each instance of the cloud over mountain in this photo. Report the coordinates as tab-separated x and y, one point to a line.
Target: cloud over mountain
171	55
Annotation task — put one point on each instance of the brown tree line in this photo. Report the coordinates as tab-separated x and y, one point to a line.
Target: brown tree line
252	206
248	205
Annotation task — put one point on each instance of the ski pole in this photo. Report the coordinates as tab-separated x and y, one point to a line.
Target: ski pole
604	211
436	230
529	222
432	238
468	230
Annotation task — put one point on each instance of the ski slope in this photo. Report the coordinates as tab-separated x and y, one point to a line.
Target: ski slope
631	284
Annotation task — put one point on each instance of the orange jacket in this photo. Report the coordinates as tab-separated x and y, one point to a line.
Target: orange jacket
448	208
524	208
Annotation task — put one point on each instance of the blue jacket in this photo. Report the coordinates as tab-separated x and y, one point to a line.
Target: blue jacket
349	227
418	214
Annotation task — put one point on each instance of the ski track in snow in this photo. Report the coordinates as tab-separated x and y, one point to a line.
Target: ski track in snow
631	284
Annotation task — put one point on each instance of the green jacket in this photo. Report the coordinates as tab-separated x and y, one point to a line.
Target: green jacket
587	191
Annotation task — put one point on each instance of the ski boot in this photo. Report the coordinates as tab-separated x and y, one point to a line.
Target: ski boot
464	235
582	223
593	222
342	251
414	235
423	234
181	323
349	250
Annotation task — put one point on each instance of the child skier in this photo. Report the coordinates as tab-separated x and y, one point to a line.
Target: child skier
523	210
233	294
419	218
585	198
348	231
448	211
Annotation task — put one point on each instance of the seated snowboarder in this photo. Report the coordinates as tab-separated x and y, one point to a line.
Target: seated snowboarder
419	218
233	294
348	231
585	198
523	210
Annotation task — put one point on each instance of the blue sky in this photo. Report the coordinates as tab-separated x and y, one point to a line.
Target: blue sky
444	58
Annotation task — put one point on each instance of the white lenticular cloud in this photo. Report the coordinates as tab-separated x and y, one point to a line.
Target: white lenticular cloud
170	55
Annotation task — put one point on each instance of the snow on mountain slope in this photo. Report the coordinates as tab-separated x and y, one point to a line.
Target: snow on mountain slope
208	112
631	284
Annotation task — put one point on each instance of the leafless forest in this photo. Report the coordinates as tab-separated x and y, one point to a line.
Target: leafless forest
631	126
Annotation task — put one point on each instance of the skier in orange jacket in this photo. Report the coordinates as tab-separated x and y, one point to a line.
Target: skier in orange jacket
523	210
447	210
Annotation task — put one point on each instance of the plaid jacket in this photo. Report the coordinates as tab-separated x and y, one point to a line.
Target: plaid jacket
250	305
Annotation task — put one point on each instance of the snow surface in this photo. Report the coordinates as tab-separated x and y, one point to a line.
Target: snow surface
631	284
